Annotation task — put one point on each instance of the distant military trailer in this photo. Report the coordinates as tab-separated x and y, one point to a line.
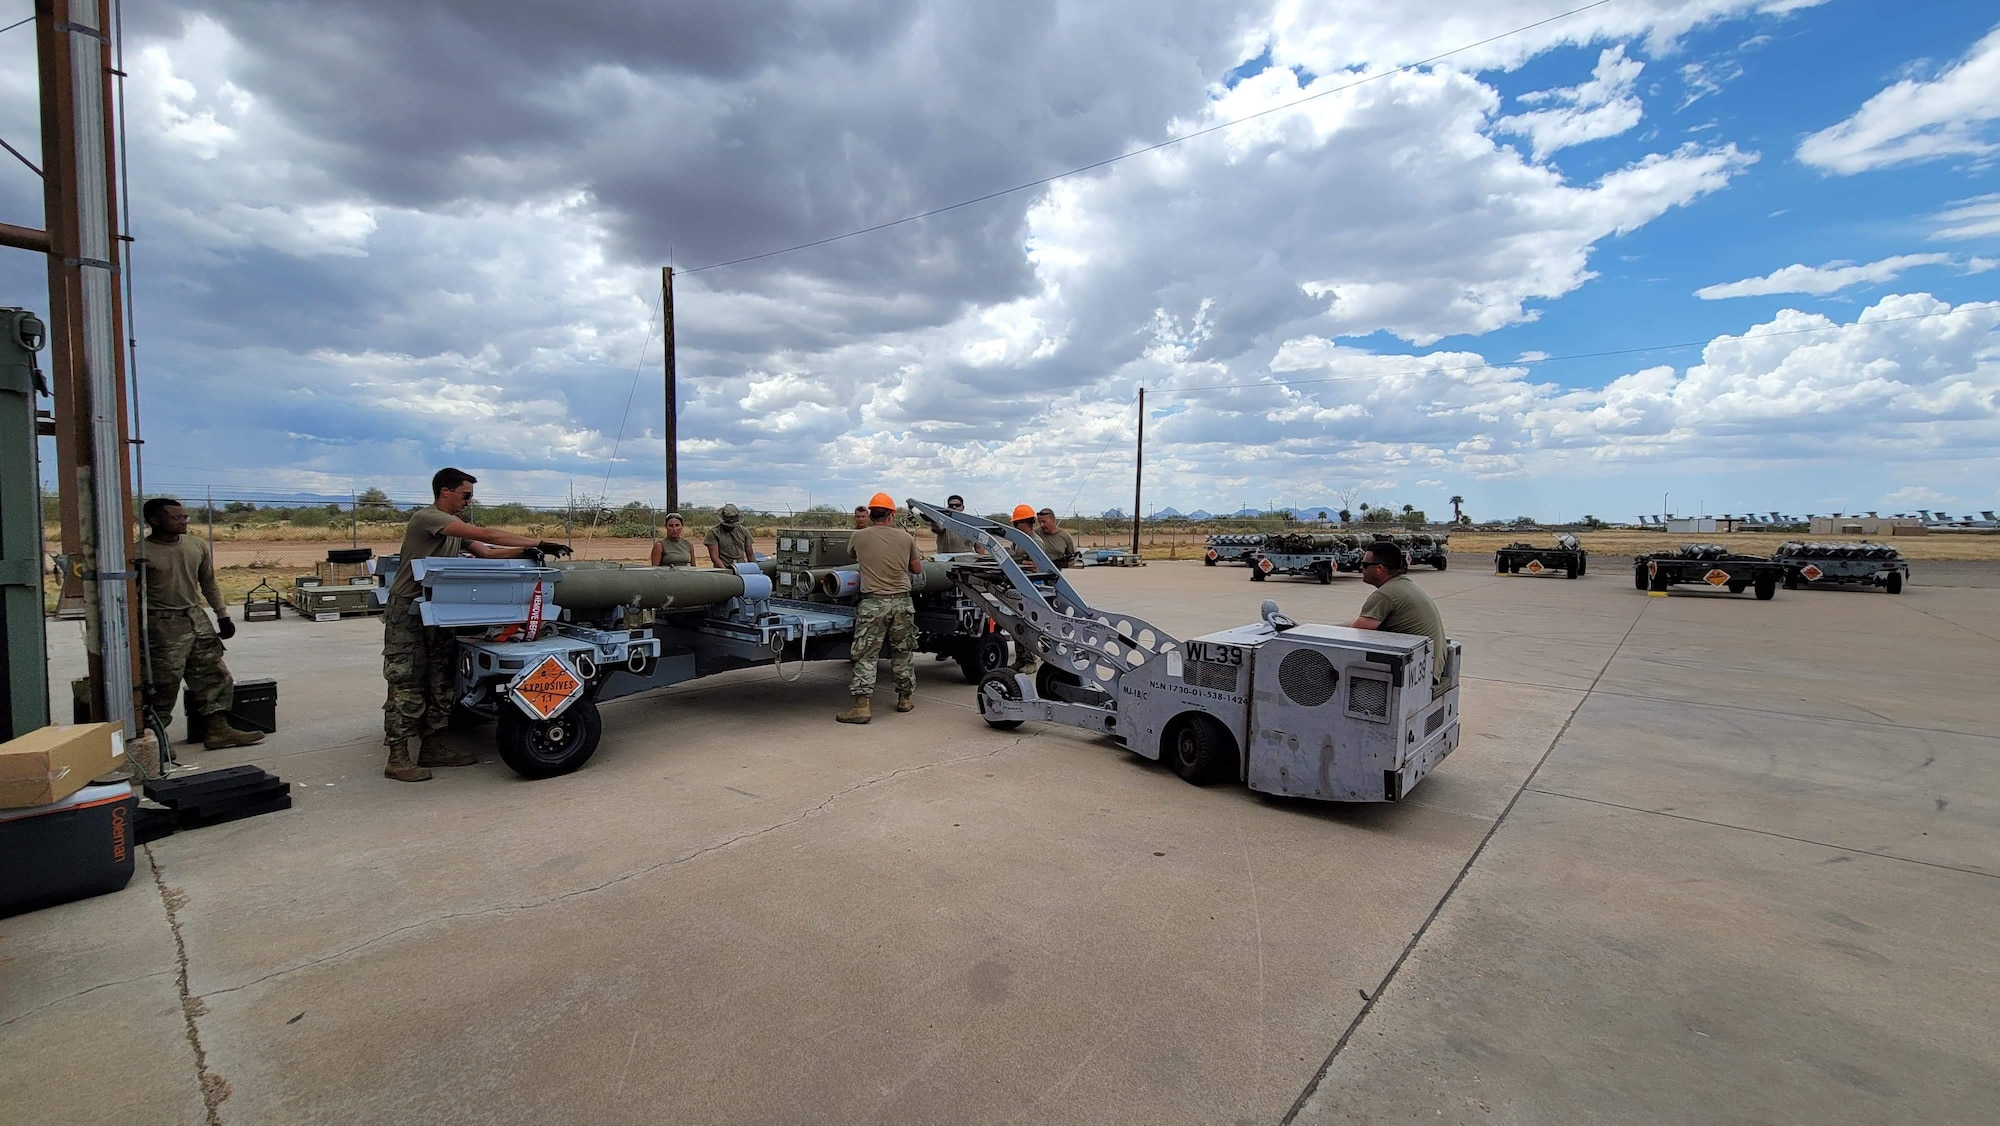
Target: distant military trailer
1710	565
1318	555
1810	565
1422	547
1567	558
1232	548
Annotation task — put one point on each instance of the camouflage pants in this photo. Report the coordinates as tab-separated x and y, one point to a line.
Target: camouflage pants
417	663
884	620
184	647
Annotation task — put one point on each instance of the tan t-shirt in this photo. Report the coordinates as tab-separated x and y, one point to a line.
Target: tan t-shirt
1057	545
731	541
423	538
677	553
178	574
1403	607
885	554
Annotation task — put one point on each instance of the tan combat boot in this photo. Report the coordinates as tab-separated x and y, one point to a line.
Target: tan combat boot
435	753
401	768
219	736
858	713
906	702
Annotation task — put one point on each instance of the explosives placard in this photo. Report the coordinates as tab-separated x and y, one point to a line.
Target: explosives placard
546	689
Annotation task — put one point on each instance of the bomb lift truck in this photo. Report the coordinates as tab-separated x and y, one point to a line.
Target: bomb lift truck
1314	711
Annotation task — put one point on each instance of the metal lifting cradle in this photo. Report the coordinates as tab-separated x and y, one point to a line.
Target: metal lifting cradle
1325	712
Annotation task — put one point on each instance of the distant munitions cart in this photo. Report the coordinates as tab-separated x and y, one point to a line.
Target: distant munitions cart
1567	558
1421	547
1232	549
1810	565
1710	565
1318	555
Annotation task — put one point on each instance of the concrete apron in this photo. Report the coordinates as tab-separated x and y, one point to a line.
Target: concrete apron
742	911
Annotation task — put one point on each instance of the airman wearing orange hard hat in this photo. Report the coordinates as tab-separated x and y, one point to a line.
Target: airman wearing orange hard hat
887	556
1025	658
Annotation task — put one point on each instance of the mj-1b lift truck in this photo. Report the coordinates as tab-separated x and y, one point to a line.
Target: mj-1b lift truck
1312	711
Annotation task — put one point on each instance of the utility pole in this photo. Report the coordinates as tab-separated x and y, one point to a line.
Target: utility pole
672	390
86	322
1139	472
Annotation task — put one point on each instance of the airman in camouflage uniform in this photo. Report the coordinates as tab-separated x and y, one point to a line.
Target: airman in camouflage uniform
417	659
887	556
181	644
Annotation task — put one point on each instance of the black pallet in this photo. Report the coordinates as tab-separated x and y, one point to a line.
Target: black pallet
217	796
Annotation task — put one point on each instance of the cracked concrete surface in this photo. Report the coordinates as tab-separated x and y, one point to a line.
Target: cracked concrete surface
1686	904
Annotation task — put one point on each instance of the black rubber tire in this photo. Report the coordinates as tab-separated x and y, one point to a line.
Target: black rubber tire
1499	564
1569	572
466	719
1256	576
1207	562
1792	580
545	749
1008	688
1440	561
1895	583
1199	749
1323	572
1048	677
981	655
1583	564
1767	587
1736	586
1639	576
1659	582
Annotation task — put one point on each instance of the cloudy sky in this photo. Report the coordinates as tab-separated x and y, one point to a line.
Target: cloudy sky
1739	251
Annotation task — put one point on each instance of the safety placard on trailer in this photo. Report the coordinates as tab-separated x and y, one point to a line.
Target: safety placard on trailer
547	688
1812	573
1716	577
1534	567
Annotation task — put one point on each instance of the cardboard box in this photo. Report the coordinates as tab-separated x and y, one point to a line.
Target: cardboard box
54	762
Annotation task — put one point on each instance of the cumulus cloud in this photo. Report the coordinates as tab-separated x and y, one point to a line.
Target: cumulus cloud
1602	107
1820	280
1918	119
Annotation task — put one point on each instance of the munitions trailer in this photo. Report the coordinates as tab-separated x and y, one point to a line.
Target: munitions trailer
1567	558
1317	555
1232	548
1710	565
1424	547
1811	565
1311	711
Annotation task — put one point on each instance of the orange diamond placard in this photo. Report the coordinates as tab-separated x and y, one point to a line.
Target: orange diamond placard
1534	567
1717	577
1812	573
547	688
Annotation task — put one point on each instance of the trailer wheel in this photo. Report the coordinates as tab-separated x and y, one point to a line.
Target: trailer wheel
1791	579
545	748
1895	583
1638	576
1324	571
1767	587
1003	680
1440	561
1659	582
1583	564
1499	564
981	655
1256	576
1199	748
1736	587
1208	561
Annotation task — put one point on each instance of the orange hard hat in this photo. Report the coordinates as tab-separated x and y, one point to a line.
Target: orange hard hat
882	500
1023	512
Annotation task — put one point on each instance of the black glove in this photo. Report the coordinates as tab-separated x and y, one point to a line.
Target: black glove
550	547
225	628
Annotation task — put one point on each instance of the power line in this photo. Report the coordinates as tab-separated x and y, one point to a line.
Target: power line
1171	141
1543	359
15	24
